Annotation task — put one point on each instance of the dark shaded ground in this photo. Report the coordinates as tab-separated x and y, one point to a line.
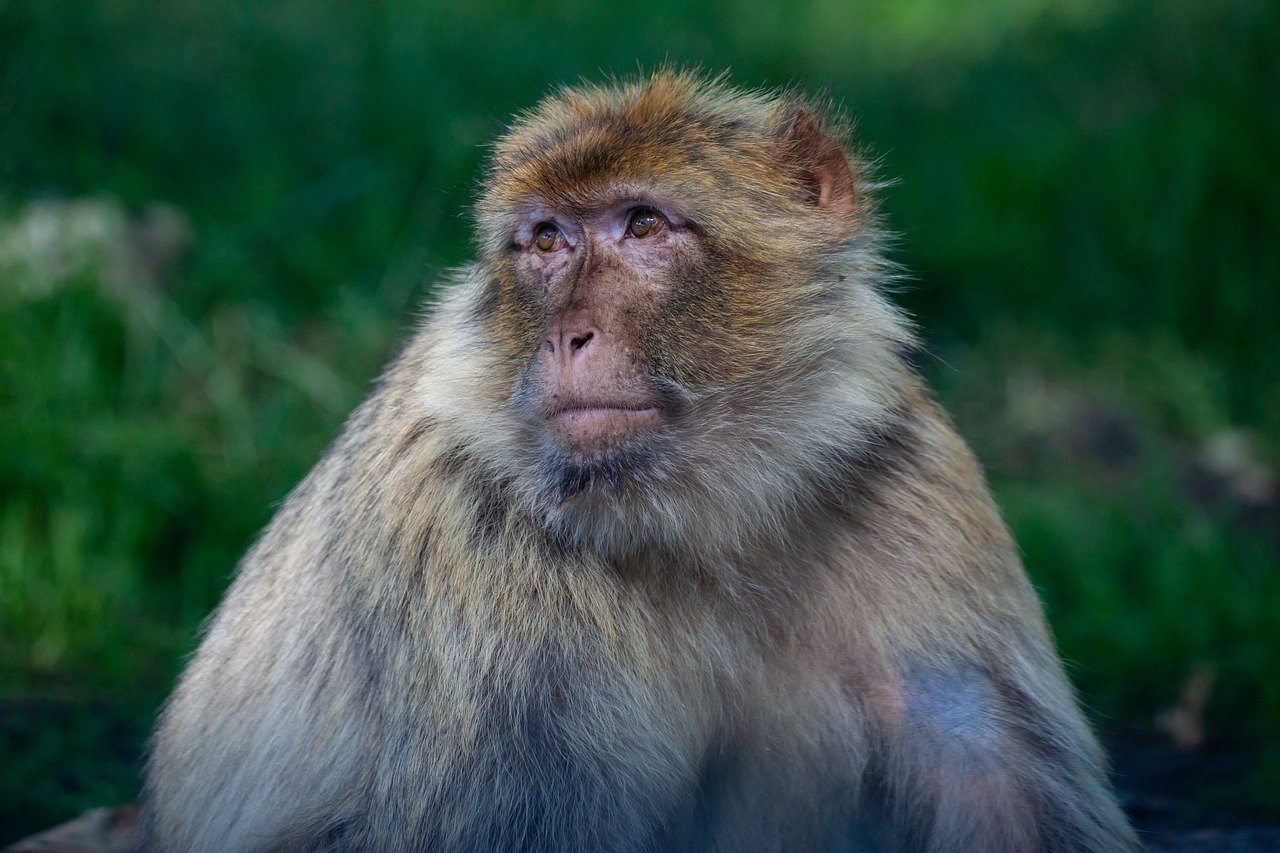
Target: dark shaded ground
1178	799
1243	839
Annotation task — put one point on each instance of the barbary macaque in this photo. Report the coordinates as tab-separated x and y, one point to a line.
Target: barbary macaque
651	538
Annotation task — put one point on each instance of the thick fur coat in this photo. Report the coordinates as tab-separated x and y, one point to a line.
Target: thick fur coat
791	619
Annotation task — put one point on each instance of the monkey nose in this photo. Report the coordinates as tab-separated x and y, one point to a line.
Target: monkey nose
570	342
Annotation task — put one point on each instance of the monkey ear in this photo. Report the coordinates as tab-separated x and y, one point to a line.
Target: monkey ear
822	165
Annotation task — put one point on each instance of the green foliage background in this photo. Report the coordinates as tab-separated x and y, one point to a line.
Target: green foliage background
1087	194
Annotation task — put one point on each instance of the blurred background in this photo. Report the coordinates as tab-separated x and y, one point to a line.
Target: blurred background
218	220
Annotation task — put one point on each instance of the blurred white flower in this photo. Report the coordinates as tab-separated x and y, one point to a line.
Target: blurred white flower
51	244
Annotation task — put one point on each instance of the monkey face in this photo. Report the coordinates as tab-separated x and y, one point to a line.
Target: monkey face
594	283
669	285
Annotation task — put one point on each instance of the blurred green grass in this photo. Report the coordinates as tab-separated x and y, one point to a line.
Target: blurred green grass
1086	193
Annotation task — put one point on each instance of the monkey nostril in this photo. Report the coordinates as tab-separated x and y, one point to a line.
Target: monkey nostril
577	342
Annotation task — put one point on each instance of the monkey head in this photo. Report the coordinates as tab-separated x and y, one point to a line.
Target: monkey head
677	278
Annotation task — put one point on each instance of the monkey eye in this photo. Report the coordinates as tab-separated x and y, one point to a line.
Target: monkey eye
546	235
643	222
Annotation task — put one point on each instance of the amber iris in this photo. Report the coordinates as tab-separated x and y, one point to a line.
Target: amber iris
546	236
643	222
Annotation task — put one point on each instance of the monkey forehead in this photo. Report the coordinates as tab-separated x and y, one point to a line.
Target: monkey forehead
692	134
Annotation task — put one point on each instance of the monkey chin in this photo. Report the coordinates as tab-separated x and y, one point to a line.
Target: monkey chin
599	501
598	450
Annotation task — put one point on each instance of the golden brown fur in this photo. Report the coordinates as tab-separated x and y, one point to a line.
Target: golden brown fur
795	621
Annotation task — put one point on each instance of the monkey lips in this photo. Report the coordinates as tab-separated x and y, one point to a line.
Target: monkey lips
592	428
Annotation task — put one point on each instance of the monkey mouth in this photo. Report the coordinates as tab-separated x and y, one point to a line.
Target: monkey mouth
593	426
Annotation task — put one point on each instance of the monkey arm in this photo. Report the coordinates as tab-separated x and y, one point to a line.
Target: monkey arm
976	741
970	761
260	738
